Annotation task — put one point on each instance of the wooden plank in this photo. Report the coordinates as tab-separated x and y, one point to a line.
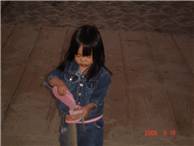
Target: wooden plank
14	57
175	77
149	104
6	31
134	55
32	100
185	44
116	101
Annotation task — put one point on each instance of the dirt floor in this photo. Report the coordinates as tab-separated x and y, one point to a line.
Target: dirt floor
151	16
149	48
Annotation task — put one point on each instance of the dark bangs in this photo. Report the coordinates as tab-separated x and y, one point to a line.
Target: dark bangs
87	51
88	37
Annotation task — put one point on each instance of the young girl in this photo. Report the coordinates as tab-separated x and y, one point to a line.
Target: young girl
84	74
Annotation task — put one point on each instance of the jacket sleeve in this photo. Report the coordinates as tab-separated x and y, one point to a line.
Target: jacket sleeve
54	73
101	90
50	75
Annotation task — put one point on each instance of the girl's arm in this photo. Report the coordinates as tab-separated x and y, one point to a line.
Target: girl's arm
87	108
101	90
54	73
61	87
97	98
54	78
55	81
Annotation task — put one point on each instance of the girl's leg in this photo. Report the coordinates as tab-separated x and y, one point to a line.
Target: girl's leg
90	134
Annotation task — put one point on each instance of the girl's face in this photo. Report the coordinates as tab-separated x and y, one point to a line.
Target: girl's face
83	61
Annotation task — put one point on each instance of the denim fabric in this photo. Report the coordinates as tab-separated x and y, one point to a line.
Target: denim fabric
90	134
84	92
87	135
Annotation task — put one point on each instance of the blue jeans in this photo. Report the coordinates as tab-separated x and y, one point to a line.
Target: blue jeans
87	135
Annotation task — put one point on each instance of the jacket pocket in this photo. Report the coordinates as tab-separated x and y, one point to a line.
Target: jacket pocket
90	86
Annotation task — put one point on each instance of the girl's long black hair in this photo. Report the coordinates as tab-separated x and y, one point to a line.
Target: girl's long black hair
90	38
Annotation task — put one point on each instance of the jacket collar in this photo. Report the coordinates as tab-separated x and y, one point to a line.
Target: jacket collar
74	67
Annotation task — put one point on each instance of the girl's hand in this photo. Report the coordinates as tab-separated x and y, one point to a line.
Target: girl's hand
61	87
85	112
78	115
86	109
73	117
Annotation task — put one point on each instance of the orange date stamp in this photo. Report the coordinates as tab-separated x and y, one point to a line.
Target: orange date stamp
155	133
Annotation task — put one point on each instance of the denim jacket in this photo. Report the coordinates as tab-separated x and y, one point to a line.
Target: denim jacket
84	91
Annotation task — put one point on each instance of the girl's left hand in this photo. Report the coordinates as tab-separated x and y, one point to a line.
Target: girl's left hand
73	117
79	112
86	109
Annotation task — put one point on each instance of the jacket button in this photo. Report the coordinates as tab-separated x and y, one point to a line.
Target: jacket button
79	94
81	85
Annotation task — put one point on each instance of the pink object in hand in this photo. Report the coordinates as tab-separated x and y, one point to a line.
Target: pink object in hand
74	109
67	99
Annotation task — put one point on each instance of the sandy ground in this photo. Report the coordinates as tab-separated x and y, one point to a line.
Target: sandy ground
152	86
151	16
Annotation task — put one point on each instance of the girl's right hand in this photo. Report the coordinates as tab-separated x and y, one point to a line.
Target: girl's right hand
61	89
